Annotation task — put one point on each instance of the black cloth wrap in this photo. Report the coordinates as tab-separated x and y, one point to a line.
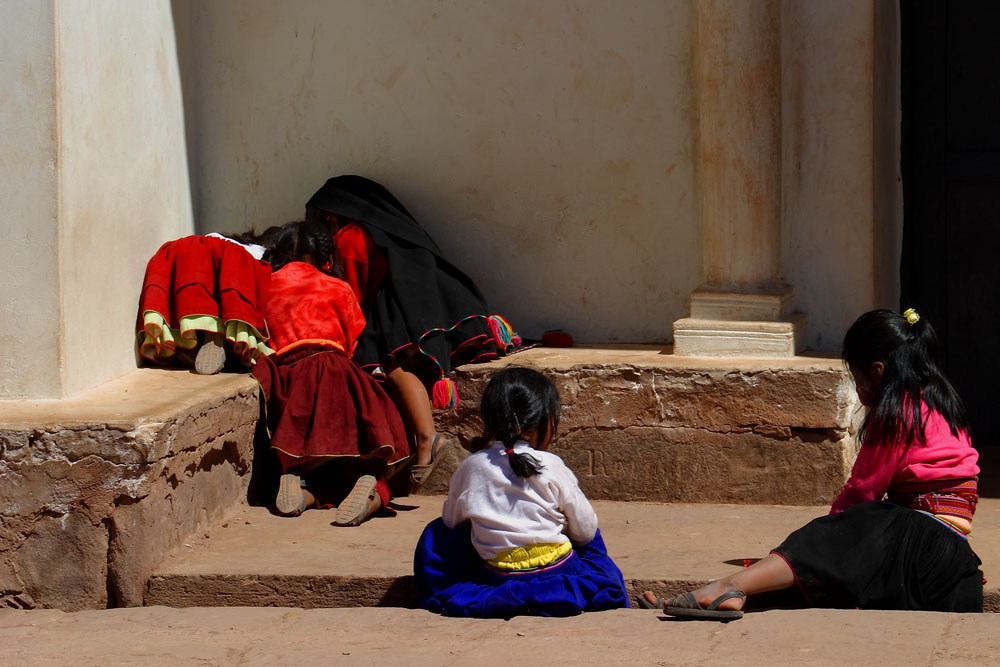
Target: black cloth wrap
878	555
421	291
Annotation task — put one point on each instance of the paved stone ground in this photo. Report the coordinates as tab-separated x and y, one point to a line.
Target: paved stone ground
410	638
255	558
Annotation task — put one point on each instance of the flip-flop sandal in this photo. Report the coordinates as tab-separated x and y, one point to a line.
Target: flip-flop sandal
358	505
420	474
685	606
646	604
290	501
211	355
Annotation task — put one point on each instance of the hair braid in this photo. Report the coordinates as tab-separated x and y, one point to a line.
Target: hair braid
303	241
517	400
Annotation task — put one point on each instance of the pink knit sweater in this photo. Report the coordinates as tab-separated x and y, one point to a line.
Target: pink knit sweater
878	468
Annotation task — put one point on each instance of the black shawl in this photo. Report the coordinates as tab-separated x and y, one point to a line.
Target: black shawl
424	300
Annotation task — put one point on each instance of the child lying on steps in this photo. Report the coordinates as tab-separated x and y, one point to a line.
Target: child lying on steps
516	536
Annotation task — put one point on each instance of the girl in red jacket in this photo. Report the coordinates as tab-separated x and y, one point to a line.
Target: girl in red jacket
333	428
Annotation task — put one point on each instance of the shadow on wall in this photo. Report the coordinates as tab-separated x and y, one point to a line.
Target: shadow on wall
184	17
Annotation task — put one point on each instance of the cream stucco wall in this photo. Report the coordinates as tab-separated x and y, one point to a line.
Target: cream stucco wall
29	294
548	147
545	145
837	254
123	173
94	180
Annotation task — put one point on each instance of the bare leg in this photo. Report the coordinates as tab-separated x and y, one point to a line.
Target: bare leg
768	574
416	406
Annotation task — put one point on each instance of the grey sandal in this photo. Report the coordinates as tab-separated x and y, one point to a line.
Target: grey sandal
420	474
646	604
685	606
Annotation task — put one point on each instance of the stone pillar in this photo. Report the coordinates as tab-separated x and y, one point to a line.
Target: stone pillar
743	308
93	178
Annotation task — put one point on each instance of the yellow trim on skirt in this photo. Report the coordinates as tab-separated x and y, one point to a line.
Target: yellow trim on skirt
530	557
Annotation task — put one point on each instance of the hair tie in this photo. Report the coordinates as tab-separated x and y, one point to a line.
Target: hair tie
911	316
508	452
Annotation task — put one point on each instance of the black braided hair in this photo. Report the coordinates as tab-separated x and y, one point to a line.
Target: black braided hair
304	242
516	400
265	238
908	351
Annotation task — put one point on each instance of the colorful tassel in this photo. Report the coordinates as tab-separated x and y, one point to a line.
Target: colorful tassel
503	333
444	395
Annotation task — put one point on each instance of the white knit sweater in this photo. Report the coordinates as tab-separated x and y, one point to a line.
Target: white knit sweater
508	511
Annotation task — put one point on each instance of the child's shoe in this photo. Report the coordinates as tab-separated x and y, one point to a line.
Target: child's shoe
359	504
291	500
211	355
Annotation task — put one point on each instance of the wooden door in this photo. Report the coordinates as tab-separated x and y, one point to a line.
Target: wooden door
951	191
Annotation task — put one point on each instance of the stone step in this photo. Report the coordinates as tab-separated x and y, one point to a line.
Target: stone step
255	558
95	489
639	423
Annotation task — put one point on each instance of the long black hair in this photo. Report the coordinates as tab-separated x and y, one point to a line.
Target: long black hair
519	399
304	241
251	237
908	350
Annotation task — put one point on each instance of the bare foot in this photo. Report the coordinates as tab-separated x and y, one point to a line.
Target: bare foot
425	444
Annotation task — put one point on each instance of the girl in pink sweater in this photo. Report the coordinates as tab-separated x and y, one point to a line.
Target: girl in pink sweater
897	535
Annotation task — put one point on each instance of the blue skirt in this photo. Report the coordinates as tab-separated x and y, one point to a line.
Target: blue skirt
453	580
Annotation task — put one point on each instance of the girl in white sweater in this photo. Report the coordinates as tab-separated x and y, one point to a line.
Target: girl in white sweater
516	536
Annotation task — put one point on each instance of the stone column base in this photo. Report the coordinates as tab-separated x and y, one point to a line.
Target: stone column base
694	337
740	324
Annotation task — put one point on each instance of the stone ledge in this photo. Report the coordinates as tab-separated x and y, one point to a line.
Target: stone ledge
95	489
639	423
257	559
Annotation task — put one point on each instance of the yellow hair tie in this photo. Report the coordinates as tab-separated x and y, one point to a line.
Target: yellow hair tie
911	316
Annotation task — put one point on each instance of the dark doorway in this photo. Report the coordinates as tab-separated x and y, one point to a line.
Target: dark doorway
951	195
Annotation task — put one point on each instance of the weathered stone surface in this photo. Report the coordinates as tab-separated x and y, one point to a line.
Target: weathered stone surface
255	558
95	490
639	424
136	467
695	466
270	590
63	562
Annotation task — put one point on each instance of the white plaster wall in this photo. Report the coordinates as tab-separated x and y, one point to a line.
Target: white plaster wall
123	173
828	163
546	146
29	294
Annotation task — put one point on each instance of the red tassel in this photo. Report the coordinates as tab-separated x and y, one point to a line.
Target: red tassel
444	394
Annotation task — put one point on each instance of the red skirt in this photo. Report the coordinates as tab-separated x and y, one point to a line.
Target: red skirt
201	276
320	404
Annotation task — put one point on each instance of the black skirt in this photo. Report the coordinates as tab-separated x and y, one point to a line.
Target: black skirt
878	555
